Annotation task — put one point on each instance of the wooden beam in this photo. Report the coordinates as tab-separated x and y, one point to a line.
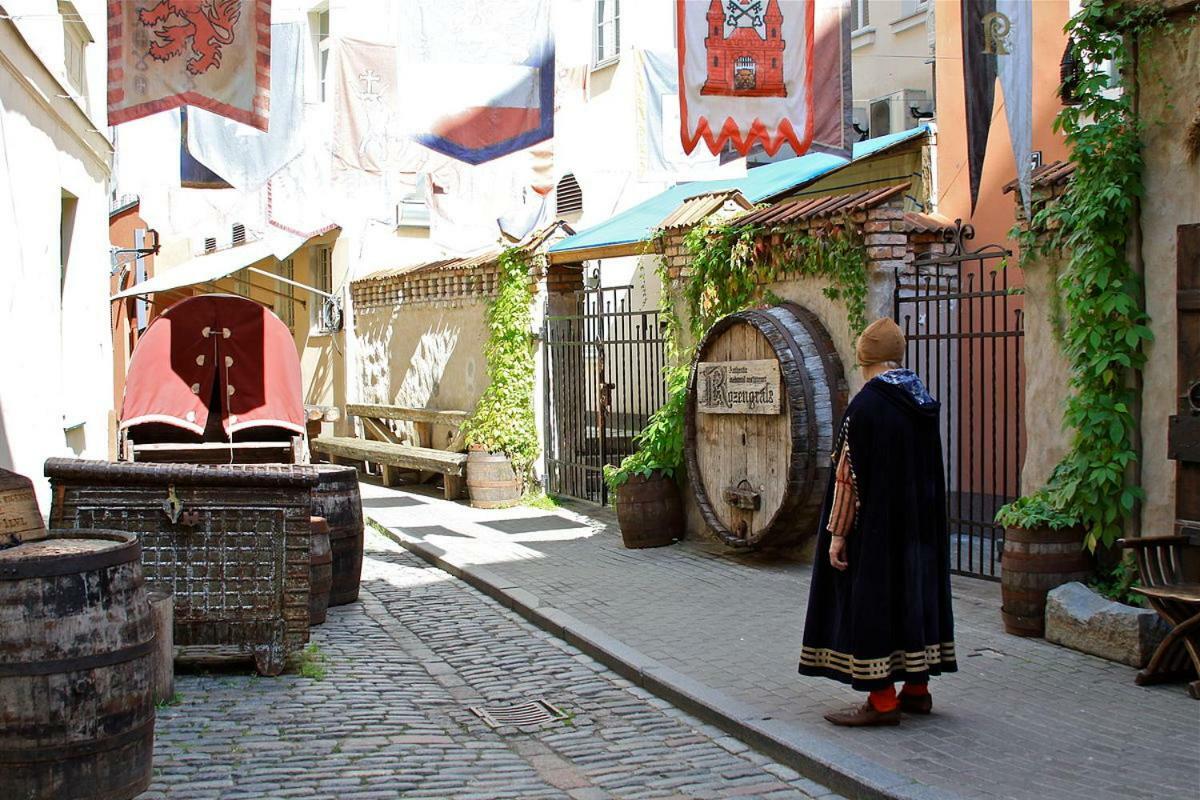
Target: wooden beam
450	418
601	251
384	433
396	455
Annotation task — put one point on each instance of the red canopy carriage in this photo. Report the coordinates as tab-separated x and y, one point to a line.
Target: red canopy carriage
214	378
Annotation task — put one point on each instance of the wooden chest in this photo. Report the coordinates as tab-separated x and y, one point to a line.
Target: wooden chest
231	543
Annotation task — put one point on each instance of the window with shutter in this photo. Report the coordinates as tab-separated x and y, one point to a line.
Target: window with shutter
239	234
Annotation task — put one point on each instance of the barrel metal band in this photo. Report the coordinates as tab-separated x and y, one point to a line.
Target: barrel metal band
101	744
810	415
127	552
23	668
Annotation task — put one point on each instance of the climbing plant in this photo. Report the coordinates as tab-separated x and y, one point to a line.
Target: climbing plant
1105	328
503	421
729	268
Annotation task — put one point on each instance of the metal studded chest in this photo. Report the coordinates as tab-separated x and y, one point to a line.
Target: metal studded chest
230	542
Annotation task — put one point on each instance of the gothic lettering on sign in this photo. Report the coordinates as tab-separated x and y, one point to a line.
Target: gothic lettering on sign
996	27
738	387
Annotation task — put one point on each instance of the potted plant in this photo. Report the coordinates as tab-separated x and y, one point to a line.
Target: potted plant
649	505
1044	547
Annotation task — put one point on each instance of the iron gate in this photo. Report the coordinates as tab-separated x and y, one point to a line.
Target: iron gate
603	367
965	332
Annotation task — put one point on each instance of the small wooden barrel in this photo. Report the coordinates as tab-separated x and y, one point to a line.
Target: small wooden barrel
76	668
162	609
491	481
759	475
336	497
320	572
650	511
1034	562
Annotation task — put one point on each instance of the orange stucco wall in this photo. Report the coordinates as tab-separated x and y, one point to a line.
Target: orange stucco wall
995	213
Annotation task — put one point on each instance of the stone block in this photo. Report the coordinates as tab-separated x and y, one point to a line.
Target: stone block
1079	618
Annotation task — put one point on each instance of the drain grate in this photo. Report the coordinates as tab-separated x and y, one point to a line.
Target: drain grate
535	712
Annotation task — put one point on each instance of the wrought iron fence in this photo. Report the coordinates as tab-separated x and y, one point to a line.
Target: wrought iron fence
604	379
965	332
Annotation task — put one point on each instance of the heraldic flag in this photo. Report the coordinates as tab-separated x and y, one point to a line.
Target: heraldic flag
746	73
211	54
478	76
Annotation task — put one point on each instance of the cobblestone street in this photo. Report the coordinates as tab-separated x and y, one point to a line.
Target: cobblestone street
1022	719
391	717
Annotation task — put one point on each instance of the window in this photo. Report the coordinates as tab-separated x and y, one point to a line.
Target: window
608	31
322	275
318	24
859	15
285	307
75	41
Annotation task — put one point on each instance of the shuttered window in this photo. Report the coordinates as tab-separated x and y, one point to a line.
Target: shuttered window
570	195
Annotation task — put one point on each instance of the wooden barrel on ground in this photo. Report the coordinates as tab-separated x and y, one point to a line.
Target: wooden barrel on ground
76	668
320	572
650	511
491	481
1034	562
336	498
766	394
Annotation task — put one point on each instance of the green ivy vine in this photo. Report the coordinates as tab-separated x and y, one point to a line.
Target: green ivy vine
1105	328
729	268
503	421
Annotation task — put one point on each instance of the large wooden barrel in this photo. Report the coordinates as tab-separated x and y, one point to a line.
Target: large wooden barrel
320	572
491	481
76	668
336	498
1034	562
758	469
650	511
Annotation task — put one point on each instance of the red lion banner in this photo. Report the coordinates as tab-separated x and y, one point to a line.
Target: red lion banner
211	54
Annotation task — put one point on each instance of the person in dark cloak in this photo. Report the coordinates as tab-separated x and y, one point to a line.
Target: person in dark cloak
879	605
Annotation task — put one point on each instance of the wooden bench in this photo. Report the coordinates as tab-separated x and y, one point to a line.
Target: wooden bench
1160	561
453	466
422	420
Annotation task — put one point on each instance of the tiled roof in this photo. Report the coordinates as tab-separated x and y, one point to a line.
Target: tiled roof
824	206
479	259
696	209
1056	172
915	222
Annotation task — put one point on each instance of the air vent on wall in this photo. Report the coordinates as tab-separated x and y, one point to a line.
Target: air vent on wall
239	234
570	195
210	244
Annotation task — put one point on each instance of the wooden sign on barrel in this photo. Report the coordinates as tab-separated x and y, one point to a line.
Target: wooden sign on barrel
20	518
738	387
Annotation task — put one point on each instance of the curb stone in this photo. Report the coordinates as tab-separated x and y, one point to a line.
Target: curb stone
833	766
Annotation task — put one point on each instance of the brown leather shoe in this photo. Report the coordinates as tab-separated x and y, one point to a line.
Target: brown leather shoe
865	717
916	703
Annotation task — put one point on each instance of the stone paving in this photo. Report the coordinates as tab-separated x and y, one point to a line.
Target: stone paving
1022	718
391	717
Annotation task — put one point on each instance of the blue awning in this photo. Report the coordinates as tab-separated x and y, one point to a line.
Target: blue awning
635	225
624	234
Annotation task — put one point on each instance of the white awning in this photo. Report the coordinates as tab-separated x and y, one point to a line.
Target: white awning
202	269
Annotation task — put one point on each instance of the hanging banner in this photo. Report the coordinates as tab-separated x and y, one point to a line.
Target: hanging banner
1013	46
746	73
366	130
660	153
833	100
979	83
246	157
478	75
213	54
194	174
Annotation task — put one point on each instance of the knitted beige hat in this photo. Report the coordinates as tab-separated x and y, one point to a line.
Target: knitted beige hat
881	341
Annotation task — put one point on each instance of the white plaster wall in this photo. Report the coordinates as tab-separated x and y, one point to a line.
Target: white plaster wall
55	356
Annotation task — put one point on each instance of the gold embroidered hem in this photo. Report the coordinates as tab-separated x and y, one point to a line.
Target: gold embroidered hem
935	658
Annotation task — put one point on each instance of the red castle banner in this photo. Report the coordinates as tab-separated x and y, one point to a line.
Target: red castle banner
211	54
746	73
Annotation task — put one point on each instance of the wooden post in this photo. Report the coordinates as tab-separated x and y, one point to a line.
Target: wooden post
162	610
